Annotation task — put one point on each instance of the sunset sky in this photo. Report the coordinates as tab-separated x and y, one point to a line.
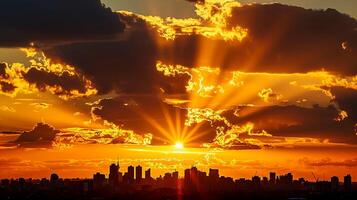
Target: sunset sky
245	86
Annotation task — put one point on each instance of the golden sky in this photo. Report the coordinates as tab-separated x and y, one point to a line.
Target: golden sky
243	87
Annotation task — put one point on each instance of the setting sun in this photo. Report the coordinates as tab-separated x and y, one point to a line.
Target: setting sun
179	145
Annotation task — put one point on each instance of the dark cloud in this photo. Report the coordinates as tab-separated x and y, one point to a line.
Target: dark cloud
346	100
196	1
25	21
41	135
3	74
306	40
125	66
292	39
293	121
66	81
7	87
330	162
281	39
120	65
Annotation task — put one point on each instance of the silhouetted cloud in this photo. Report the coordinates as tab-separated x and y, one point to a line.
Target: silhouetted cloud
7	87
196	1
280	38
41	135
65	82
124	66
294	121
26	21
330	162
293	39
306	40
3	74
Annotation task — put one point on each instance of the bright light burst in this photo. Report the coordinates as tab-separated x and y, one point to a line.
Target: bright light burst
179	145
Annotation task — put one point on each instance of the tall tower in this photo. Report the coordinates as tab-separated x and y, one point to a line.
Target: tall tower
272	177
139	173
131	174
148	174
334	183
213	174
347	183
114	175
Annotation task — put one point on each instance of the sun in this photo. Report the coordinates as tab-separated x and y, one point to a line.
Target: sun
179	145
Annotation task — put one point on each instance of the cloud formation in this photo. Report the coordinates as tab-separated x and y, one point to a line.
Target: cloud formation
329	162
25	21
226	37
41	135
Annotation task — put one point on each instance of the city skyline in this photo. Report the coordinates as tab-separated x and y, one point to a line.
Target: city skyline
246	87
194	183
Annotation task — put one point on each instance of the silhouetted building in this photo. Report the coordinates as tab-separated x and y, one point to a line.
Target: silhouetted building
175	175
196	185
114	175
256	180
334	183
286	179
193	174
187	177
98	180
54	178
130	174
167	178
148	174
265	180
347	183
213	174
139	173
272	177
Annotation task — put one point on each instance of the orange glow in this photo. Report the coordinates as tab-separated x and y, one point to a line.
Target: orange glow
179	145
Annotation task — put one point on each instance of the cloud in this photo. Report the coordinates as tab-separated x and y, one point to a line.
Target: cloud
108	135
254	38
63	83
196	1
41	135
328	162
306	40
3	67
7	87
294	121
26	21
45	76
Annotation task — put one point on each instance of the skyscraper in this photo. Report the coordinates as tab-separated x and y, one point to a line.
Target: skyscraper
54	178
175	175
347	183
213	174
148	174
131	174
139	173
98	180
193	174
272	177
187	177
114	175
334	183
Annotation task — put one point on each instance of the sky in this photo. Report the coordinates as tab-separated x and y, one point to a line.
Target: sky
244	87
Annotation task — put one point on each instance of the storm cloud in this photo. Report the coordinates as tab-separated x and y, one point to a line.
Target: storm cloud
26	21
41	135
